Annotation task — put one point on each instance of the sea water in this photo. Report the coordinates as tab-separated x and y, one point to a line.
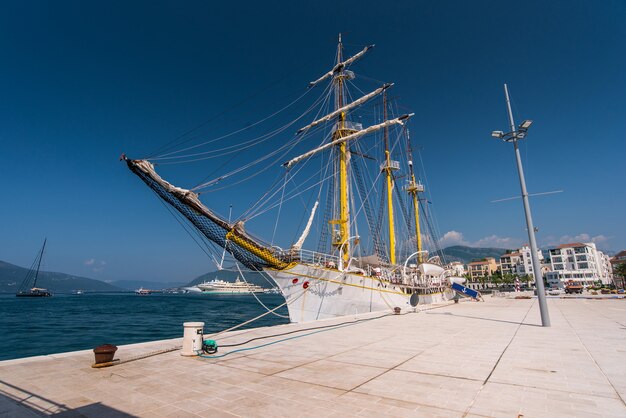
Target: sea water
38	326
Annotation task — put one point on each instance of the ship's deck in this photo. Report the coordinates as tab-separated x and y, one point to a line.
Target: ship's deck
469	359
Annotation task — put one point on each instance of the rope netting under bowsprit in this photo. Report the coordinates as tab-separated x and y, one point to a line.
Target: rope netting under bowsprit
209	228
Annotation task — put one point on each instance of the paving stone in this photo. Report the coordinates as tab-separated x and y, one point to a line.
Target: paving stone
488	359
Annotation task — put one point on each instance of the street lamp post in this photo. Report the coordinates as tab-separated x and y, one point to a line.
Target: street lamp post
514	136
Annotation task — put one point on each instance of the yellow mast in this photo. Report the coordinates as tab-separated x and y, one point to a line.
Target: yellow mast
413	189
418	235
344	223
341	240
387	168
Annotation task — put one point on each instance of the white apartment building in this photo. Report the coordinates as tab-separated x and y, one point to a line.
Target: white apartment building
580	262
605	268
519	262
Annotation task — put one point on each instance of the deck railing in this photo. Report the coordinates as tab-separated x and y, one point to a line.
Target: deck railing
309	257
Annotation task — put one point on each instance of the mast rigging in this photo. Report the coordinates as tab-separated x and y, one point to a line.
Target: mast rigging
329	282
388	167
339	67
345	108
413	189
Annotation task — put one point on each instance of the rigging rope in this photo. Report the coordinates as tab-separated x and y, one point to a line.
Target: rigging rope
319	330
403	209
305	205
287	302
282	197
172	143
302	330
289	145
323	242
255	296
221	167
435	232
182	224
169	154
289	197
236	148
379	247
267	196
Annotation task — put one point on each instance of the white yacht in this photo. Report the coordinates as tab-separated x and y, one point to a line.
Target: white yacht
223	287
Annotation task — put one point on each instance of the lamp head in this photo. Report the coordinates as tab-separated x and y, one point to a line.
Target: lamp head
497	134
525	125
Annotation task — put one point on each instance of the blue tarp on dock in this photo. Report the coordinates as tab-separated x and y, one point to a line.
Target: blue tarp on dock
465	290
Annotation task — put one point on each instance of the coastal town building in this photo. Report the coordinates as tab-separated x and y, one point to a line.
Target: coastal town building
577	261
619	258
526	265
509	262
458	269
605	269
486	267
519	262
616	260
581	262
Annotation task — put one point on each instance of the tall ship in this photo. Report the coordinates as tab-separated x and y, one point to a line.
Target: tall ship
222	287
353	160
29	288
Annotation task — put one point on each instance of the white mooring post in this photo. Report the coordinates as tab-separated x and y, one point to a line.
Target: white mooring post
192	338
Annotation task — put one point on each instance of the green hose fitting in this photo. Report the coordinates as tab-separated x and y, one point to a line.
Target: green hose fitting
209	346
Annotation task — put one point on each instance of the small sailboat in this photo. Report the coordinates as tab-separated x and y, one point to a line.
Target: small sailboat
29	288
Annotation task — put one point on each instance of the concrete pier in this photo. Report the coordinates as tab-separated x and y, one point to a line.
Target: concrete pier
461	360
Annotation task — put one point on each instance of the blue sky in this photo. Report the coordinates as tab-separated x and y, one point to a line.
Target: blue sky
82	82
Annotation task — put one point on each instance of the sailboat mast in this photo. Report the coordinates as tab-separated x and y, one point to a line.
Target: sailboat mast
387	168
342	238
413	189
39	263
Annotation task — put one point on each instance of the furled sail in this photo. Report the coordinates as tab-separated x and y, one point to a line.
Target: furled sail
232	237
340	66
347	107
307	229
358	134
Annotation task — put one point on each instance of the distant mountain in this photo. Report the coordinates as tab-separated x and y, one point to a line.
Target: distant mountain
136	284
468	254
11	277
231	276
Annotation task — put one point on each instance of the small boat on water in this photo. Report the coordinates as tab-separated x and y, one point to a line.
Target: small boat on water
223	287
29	288
143	292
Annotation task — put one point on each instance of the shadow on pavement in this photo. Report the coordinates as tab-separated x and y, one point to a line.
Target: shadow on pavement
17	402
483	319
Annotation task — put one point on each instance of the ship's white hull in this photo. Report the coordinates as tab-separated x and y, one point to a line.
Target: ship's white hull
436	295
314	292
